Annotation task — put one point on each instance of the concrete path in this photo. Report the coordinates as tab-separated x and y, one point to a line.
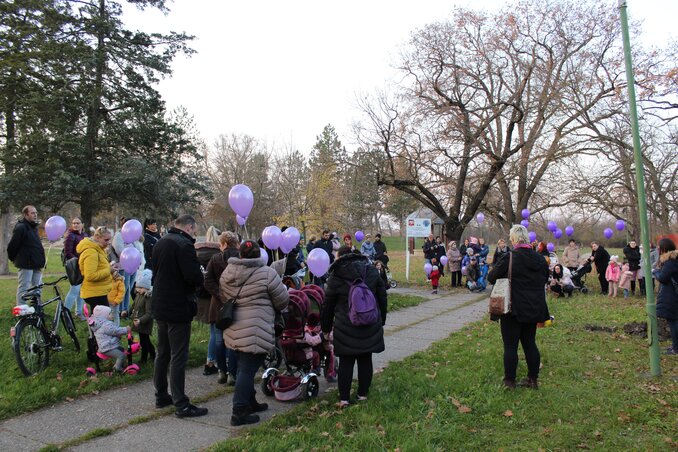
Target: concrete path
406	332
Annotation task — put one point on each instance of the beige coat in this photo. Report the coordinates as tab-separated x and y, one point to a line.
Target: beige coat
570	257
262	294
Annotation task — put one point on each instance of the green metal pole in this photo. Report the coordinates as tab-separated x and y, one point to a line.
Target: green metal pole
651	306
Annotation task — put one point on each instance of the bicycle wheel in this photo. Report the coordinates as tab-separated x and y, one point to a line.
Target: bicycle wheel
31	346
67	318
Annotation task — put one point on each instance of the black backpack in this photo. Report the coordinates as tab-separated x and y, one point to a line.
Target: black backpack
73	271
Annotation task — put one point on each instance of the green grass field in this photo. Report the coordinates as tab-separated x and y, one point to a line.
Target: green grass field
594	394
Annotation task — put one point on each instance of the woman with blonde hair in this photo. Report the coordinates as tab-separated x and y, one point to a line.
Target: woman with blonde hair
529	274
95	267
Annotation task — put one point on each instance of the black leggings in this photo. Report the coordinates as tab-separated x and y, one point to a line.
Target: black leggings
96	301
513	332
147	347
456	279
345	374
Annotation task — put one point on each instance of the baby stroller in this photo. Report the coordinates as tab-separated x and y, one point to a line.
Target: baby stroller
96	357
295	281
302	362
579	277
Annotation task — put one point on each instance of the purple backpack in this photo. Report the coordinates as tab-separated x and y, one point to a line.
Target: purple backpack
362	304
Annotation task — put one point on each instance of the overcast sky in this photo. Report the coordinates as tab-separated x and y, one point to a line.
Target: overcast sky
281	70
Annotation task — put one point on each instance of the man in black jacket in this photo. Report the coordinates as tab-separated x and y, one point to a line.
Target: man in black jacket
381	254
176	277
600	257
26	252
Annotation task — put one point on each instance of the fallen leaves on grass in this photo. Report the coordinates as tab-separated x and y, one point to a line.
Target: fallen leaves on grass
508	413
432	376
59	377
461	408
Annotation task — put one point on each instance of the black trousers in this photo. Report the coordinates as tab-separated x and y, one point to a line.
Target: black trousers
456	279
565	290
172	354
92	302
512	333
345	374
604	286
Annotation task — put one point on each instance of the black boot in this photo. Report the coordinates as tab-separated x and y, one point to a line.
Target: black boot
529	382
242	416
256	407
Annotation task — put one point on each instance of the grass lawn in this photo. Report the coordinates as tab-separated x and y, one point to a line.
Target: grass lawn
594	394
65	377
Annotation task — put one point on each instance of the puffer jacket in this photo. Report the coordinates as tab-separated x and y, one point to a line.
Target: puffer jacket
25	248
570	257
71	243
351	340
262	294
204	251
613	272
453	258
529	275
95	269
141	309
667	299
633	256
108	335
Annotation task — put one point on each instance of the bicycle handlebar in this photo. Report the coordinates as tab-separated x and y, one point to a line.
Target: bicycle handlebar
53	283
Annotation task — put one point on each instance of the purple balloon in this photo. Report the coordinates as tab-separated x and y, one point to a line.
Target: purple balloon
552	226
359	236
550	246
620	225
131	231
608	233
480	217
464	270
241	199
525	213
558	233
427	268
55	227
290	239
569	231
240	220
264	256
443	260
533	236
130	259
271	236
525	223
318	261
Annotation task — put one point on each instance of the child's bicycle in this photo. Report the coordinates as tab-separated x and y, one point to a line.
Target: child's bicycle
392	283
96	357
32	340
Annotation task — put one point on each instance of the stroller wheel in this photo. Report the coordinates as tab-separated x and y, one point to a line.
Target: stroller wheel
312	387
393	283
266	381
273	358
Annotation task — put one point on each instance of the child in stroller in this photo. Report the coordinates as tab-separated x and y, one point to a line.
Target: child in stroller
579	277
305	351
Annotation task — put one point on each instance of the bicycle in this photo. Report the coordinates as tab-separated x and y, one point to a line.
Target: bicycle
31	339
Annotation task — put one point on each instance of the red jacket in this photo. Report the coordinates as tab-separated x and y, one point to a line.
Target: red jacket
435	276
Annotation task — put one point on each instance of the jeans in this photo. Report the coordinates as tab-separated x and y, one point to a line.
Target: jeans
27	279
673	327
130	278
220	353
73	298
345	374
212	344
248	365
513	332
119	355
172	355
115	310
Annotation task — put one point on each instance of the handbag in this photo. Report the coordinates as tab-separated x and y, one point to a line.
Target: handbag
225	318
500	298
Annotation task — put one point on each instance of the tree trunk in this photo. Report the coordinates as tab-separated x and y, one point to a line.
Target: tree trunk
6	219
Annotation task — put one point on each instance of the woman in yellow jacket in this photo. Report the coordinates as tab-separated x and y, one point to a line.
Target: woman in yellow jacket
95	268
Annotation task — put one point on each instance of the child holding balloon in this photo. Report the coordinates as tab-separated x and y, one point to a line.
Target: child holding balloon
435	276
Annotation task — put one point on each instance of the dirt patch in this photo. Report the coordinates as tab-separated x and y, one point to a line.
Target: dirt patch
633	328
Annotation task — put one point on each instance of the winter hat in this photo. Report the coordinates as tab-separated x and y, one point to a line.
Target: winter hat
144	279
101	311
435	268
469	251
614	258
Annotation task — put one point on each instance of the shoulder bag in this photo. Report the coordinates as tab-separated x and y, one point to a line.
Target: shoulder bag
225	318
500	298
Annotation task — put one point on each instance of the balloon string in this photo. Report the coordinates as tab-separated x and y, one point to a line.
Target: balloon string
47	259
247	236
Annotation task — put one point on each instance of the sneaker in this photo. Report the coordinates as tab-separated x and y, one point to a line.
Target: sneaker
164	401
343	404
509	384
190	411
529	383
223	378
362	398
210	369
81	317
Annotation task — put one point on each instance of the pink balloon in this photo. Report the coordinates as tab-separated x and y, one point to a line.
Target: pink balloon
131	231
240	220
318	261
241	200
427	268
130	259
55	227
443	260
290	239
271	236
359	236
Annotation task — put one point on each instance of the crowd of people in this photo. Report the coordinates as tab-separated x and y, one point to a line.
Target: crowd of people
179	280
